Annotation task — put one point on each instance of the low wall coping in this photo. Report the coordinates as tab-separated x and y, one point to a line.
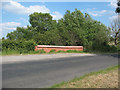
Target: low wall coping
50	46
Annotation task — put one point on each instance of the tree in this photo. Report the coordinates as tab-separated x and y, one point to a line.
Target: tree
118	8
74	28
116	24
41	21
20	33
95	35
63	32
88	17
115	30
119	39
71	27
3	38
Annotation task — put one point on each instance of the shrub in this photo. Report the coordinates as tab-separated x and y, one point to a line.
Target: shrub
0	46
118	48
19	46
42	51
52	51
60	51
33	52
113	48
73	51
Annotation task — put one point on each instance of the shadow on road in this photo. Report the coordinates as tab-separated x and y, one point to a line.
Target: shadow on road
112	55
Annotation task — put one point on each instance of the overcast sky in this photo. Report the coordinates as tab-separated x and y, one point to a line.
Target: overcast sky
16	14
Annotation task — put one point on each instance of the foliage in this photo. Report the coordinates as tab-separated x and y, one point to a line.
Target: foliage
115	30
68	51
41	51
41	21
74	28
11	52
20	46
74	51
52	51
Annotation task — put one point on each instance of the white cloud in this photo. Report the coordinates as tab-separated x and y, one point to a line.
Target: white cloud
22	19
103	11
17	8
95	12
115	17
56	15
6	0
24	26
9	26
113	3
36	8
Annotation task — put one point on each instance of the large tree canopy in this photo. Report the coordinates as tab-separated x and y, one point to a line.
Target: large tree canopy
74	28
41	21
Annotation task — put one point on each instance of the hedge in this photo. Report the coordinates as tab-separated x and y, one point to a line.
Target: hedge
18	45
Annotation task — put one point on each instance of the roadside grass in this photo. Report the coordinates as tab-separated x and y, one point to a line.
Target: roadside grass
75	51
99	52
0	53
107	78
114	49
24	52
13	52
68	51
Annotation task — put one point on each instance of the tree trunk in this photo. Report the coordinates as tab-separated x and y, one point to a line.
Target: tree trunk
115	41
116	36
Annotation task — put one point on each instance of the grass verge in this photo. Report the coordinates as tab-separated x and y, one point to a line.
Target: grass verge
13	52
24	52
68	51
107	78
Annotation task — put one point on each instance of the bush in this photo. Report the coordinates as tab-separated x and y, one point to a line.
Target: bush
73	51
0	46
52	51
118	50
33	52
113	48
37	52
104	47
10	52
42	51
60	51
19	46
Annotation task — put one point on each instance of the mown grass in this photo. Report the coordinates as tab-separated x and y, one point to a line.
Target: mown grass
93	80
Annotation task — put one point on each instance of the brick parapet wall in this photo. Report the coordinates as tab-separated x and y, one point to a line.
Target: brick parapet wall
48	48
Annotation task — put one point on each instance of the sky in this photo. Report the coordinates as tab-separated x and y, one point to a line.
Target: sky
16	14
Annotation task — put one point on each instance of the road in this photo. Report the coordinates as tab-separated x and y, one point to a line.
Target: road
50	71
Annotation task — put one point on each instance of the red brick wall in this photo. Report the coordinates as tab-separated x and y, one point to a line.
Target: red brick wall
48	48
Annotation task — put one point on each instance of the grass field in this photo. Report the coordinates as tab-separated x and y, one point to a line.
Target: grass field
107	78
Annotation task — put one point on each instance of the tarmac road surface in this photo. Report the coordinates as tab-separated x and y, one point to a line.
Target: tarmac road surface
45	72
